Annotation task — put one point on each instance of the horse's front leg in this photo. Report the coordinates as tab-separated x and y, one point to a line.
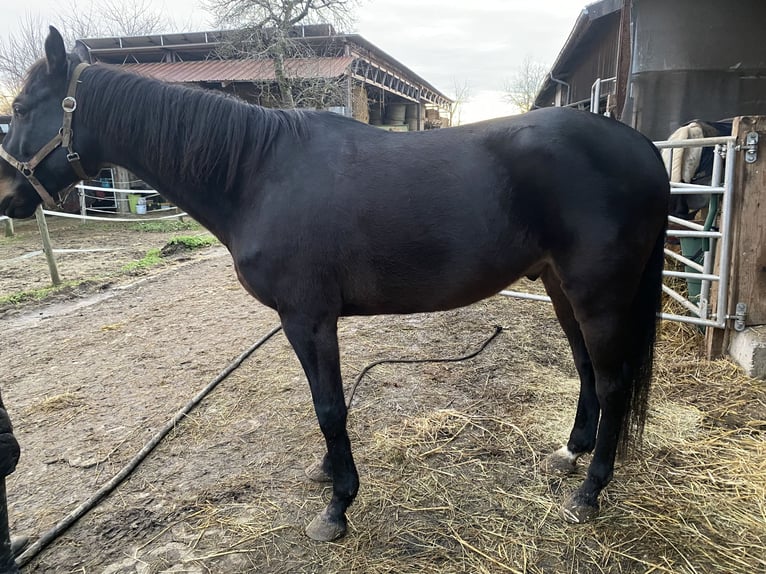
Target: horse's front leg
315	341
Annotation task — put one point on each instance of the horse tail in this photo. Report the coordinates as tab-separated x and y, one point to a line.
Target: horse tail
645	323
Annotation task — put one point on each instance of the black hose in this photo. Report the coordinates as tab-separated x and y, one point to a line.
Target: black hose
498	330
128	469
107	488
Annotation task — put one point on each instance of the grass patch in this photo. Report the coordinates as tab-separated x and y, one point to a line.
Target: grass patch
151	259
154	256
193	241
36	294
187	243
166	226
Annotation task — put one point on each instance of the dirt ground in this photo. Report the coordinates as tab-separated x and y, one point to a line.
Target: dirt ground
447	453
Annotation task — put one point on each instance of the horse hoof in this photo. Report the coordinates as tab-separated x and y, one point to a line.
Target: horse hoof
317	473
577	510
325	529
559	462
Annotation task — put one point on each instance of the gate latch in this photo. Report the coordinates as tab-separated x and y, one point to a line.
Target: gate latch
739	316
750	147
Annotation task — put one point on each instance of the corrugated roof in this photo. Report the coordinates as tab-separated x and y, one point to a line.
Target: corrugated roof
239	70
189	47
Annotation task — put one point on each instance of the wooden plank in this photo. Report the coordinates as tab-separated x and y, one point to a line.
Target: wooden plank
748	236
751	245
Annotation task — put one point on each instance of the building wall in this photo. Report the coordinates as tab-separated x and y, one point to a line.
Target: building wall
598	57
695	59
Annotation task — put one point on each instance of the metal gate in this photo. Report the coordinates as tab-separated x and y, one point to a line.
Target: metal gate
698	270
698	273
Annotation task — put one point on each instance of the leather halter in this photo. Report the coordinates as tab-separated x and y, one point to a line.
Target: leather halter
63	138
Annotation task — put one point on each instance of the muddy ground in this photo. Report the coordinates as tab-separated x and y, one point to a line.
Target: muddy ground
447	453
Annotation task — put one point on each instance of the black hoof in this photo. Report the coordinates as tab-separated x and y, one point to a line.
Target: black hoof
559	462
324	528
317	473
577	509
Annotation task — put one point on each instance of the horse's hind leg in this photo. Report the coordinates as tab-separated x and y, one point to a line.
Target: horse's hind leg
615	300
315	342
582	439
603	300
607	343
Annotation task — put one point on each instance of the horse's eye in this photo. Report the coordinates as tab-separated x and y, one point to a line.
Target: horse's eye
19	111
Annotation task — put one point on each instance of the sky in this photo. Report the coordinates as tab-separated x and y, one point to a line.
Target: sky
475	43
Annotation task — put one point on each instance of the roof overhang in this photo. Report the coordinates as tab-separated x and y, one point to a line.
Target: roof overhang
581	30
191	58
230	71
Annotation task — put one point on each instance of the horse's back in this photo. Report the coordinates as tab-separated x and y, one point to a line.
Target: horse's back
434	220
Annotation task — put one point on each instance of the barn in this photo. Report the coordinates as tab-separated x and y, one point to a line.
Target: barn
343	73
657	64
359	79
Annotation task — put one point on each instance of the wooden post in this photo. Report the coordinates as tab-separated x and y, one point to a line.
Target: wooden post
121	180
8	225
47	248
748	236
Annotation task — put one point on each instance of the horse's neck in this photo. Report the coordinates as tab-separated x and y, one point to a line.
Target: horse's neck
153	157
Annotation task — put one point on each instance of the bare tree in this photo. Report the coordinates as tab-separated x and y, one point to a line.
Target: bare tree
17	53
462	96
112	18
266	29
19	50
522	88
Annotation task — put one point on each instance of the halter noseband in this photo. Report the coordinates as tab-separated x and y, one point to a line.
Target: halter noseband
63	138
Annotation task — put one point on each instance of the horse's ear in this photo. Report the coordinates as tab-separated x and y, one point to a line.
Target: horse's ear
55	53
81	52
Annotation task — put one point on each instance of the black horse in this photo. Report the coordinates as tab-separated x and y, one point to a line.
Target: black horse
325	216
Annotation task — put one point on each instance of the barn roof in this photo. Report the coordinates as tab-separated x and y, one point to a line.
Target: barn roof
239	70
194	57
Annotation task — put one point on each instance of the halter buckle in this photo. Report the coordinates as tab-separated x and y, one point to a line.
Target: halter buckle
69	104
72	157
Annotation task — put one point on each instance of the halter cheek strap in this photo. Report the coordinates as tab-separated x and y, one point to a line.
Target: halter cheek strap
63	138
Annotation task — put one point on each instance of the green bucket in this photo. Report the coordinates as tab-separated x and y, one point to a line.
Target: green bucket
133	201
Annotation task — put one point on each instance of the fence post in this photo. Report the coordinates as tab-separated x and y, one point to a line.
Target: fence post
83	205
121	180
8	226
748	236
47	248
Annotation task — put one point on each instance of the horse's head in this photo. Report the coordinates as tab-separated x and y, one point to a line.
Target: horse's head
38	160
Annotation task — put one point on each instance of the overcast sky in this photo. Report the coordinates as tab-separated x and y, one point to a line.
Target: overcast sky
479	43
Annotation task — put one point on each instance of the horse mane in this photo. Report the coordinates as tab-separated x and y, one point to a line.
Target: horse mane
200	134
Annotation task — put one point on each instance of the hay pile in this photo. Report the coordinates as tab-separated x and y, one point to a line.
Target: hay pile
448	457
450	481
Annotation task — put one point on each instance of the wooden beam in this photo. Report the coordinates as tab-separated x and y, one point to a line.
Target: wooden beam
748	235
